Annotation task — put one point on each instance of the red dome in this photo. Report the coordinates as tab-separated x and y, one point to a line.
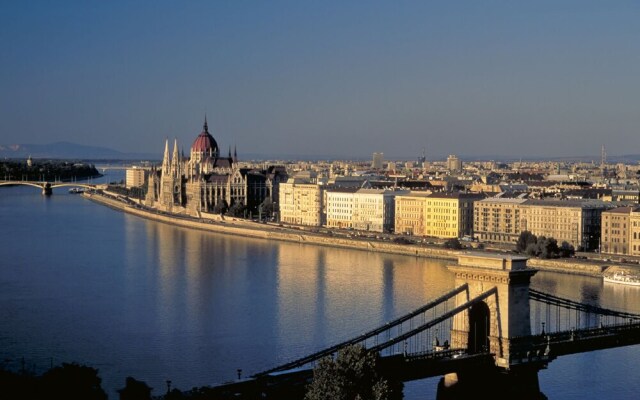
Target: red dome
205	143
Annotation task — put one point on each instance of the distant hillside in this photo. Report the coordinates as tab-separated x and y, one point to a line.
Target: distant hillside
624	159
66	150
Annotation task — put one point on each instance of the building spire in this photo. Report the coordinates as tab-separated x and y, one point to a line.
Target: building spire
165	159
166	166
205	127
175	160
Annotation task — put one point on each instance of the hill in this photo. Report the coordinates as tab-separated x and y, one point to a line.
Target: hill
67	150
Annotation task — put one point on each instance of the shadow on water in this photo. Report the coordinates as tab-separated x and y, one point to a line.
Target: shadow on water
523	385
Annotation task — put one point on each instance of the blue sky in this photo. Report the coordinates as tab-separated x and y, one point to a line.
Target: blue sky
340	78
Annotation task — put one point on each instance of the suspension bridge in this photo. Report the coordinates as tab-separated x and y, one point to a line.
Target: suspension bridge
492	328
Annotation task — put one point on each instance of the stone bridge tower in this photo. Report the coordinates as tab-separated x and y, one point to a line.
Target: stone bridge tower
499	321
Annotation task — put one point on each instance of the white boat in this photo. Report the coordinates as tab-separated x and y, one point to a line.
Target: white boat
622	278
76	190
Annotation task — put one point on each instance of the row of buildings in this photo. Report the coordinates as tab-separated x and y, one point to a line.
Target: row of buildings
586	224
487	202
496	219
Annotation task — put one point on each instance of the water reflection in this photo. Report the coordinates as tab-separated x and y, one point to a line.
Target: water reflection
621	297
153	301
253	304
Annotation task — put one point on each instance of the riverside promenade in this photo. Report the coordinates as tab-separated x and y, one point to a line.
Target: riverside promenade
274	231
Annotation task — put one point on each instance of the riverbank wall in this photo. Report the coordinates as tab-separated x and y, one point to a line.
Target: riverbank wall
245	228
568	266
270	231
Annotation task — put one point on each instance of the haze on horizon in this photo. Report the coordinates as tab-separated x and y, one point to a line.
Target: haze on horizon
341	78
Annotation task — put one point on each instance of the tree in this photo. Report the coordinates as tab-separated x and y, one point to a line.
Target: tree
525	239
453	244
220	207
237	210
135	390
543	247
352	375
566	249
531	250
267	207
18	386
71	382
547	247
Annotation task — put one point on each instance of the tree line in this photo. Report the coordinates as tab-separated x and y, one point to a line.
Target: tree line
47	170
543	247
352	374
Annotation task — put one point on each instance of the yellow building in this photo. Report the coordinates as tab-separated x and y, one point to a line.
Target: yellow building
450	215
621	231
441	215
634	236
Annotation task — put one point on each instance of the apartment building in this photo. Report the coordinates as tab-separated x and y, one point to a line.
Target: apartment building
374	209
134	177
441	215
410	213
339	207
362	209
634	236
621	231
301	201
454	164
450	215
497	219
577	222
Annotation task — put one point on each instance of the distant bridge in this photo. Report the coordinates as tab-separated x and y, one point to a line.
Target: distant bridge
491	328
47	187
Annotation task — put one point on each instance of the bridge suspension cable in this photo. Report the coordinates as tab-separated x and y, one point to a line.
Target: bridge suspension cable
368	335
574	305
434	322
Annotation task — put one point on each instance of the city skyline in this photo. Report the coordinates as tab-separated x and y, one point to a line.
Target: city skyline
550	79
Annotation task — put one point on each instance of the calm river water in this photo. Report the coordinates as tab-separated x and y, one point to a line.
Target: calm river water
80	282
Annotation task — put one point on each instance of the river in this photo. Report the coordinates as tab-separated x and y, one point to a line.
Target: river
80	282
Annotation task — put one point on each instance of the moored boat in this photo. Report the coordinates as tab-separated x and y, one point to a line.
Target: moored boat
622	278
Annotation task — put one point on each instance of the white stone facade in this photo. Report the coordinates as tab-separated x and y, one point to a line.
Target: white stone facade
301	202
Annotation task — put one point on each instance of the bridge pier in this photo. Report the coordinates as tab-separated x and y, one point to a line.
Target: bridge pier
493	384
46	189
495	324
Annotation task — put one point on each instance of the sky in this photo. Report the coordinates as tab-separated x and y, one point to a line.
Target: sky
325	78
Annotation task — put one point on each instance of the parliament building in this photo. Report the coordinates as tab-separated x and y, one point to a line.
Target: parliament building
208	183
